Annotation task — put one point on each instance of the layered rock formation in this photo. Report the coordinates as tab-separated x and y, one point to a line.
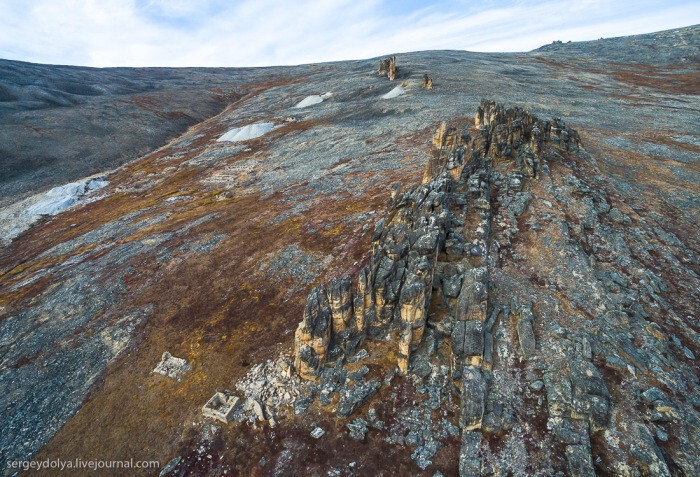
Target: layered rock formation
395	288
438	247
313	335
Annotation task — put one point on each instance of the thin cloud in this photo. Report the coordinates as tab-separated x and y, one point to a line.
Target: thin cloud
275	32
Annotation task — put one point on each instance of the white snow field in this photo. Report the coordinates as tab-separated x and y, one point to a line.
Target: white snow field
398	91
18	217
251	131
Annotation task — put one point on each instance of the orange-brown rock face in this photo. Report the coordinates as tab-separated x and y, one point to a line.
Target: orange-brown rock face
388	68
313	335
362	301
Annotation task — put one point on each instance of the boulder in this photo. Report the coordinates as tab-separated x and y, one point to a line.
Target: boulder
358	429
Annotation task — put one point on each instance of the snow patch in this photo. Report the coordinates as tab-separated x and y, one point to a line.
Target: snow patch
251	131
313	99
309	101
60	198
398	91
18	217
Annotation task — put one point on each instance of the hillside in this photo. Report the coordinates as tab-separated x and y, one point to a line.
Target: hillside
526	288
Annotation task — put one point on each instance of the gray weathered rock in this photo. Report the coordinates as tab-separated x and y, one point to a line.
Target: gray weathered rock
526	337
469	461
358	429
356	395
473	399
468	338
578	459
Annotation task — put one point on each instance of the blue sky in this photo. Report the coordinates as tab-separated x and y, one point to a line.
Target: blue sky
275	32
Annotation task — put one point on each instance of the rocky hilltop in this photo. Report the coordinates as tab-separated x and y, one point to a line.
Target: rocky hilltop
364	268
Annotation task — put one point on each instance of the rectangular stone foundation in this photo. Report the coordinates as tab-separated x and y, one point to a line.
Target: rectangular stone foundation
221	407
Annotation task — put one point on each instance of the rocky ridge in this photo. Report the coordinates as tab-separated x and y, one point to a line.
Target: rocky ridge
508	368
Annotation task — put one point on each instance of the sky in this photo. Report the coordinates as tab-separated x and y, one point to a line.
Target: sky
277	32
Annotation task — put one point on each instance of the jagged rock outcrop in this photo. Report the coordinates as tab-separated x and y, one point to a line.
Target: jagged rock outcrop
515	134
395	288
441	247
313	334
392	291
388	68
